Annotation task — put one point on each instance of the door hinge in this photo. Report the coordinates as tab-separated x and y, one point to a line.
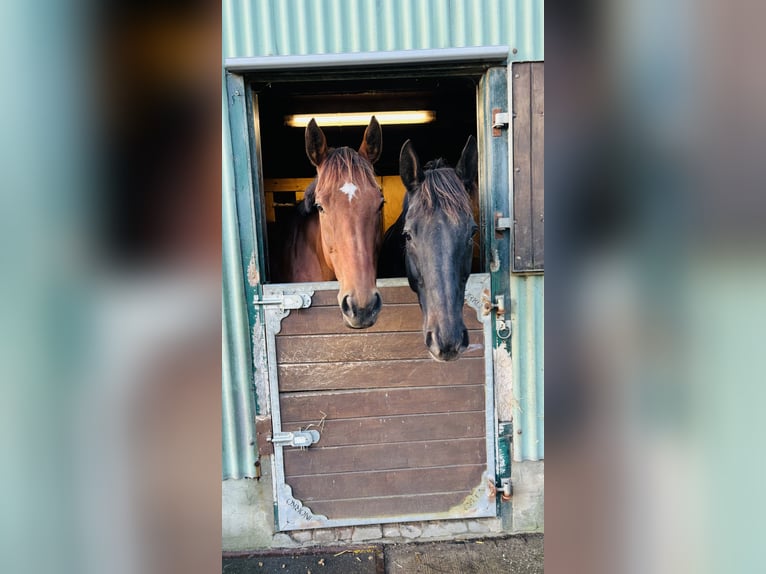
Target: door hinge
286	301
500	121
300	439
502	326
502	223
504	489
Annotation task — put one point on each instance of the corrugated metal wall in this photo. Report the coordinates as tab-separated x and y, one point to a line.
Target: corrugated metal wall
299	27
238	433
528	352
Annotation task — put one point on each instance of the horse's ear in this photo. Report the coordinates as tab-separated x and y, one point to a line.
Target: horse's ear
316	143
372	143
410	169
468	167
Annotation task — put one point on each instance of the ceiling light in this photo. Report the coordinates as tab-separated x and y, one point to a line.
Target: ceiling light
362	118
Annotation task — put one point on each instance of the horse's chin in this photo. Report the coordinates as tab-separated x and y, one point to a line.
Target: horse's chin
445	357
359	324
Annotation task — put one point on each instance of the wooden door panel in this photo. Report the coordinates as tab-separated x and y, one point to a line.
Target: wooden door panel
380	402
378	374
394	429
400	434
362	347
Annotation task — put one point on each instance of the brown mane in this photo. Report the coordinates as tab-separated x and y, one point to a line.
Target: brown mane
341	165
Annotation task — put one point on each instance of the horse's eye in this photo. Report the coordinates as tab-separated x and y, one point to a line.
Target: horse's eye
320	209
407	236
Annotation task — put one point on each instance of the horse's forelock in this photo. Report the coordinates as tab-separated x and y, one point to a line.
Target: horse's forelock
436	164
442	189
345	164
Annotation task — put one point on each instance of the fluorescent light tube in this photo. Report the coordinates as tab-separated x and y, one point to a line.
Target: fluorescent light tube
362	118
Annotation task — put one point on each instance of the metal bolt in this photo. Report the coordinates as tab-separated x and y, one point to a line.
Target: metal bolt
518	431
514	51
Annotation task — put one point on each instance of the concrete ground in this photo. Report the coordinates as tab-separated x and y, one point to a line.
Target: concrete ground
520	554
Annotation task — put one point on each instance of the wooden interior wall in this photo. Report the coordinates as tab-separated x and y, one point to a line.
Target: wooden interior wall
292	188
285	192
401	434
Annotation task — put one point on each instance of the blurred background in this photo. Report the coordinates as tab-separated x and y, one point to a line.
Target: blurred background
110	315
110	308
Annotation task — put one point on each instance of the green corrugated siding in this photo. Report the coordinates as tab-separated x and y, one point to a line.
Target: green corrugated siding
528	352
238	433
300	27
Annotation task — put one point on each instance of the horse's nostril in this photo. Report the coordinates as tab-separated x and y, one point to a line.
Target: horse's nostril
465	338
345	306
429	339
377	303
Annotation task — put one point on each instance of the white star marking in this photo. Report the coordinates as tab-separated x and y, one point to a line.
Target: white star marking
350	190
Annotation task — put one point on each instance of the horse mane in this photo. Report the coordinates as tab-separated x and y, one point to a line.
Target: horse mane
442	189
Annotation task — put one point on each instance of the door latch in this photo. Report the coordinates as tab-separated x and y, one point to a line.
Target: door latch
287	301
300	439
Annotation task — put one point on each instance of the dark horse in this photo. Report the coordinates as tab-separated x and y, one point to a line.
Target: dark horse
336	230
432	242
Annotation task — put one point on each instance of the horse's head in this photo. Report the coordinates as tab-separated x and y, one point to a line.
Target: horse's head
349	202
439	229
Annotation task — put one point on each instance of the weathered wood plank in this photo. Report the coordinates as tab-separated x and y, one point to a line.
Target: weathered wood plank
522	166
390	505
277	184
421	454
379	374
392	186
392	430
380	402
538	165
386	483
362	347
389	295
268	199
393	317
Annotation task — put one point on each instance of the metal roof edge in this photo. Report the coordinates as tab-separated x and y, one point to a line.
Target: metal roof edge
431	55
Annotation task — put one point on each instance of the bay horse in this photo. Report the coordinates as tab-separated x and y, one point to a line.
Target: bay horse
432	243
336	230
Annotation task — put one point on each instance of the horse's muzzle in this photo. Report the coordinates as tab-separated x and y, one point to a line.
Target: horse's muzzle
444	348
361	317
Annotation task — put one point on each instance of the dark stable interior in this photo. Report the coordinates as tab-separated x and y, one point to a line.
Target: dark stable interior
453	99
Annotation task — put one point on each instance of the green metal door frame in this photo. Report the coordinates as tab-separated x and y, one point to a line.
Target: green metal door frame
495	190
248	181
494	183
